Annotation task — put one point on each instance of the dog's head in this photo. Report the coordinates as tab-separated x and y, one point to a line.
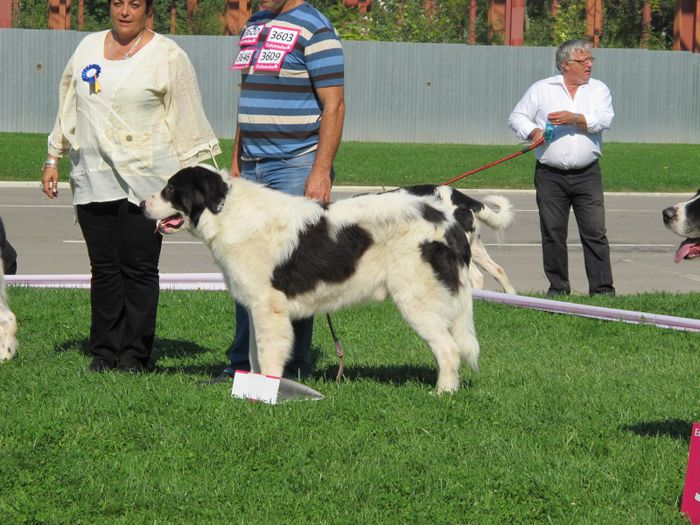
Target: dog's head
188	194
684	219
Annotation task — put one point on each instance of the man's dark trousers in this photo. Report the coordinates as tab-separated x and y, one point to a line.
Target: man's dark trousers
557	192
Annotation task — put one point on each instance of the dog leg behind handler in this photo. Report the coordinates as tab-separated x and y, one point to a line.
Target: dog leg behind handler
481	258
253	357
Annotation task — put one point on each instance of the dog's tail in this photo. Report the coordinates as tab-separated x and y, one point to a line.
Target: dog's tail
497	212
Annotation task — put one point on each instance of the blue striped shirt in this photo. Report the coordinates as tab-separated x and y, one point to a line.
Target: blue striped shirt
279	113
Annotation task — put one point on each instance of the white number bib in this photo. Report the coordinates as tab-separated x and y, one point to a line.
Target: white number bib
282	38
269	60
244	58
251	35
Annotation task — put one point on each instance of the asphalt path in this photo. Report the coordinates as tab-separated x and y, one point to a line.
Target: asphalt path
49	242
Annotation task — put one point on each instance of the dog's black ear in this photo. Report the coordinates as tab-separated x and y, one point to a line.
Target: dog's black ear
215	191
210	193
194	189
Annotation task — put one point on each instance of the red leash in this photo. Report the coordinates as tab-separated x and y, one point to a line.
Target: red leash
482	168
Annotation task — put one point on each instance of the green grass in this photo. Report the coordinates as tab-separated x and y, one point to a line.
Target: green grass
570	420
626	167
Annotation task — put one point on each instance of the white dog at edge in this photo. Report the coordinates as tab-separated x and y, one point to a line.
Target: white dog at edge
8	324
285	257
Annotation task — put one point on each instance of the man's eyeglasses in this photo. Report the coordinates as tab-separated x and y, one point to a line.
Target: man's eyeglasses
584	61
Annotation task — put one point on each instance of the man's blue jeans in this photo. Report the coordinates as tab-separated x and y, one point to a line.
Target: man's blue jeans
288	176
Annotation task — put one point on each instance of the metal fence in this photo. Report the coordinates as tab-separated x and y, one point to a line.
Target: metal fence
395	92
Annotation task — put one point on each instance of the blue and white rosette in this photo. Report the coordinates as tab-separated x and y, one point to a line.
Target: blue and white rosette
90	75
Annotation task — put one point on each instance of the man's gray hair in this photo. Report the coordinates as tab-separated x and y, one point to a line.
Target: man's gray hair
565	50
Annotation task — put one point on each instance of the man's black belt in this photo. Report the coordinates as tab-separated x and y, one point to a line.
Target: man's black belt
559	171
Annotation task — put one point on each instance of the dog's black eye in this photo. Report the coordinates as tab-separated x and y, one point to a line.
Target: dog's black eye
167	191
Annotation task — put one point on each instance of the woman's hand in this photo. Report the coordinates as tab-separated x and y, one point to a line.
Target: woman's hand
49	180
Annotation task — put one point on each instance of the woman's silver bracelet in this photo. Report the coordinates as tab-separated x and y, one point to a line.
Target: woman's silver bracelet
53	163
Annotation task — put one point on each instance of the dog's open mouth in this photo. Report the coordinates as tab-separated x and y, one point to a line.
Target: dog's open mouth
689	249
171	224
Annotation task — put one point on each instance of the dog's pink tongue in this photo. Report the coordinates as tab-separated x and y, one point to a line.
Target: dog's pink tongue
688	248
683	250
170	224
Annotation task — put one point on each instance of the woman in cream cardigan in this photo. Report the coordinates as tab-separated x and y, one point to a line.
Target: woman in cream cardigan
130	115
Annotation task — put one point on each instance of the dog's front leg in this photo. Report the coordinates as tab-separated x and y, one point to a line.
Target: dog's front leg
274	337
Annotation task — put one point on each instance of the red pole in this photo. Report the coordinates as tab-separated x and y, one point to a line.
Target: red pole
696	39
472	22
236	14
594	20
646	23
515	22
59	14
684	25
496	18
5	14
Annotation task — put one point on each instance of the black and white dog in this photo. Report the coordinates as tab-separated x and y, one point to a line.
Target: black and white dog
287	257
8	324
684	219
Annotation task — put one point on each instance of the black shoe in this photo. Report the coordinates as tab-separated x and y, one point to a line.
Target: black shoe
99	364
609	293
553	292
134	368
224	377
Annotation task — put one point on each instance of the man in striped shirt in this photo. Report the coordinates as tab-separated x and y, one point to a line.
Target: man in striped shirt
290	120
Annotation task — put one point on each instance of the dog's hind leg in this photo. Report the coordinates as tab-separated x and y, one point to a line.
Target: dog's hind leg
426	321
481	258
464	334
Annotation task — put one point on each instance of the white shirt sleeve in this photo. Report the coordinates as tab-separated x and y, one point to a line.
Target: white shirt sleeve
522	118
193	138
601	117
63	133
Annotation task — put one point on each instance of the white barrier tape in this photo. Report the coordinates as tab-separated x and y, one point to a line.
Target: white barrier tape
596	312
215	281
168	281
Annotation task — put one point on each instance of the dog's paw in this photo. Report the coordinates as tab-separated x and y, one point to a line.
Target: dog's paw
8	329
8	347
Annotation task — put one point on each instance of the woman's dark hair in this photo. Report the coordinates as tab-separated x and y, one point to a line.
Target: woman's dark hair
149	4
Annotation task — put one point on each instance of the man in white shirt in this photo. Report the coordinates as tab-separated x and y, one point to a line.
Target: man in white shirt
567	173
